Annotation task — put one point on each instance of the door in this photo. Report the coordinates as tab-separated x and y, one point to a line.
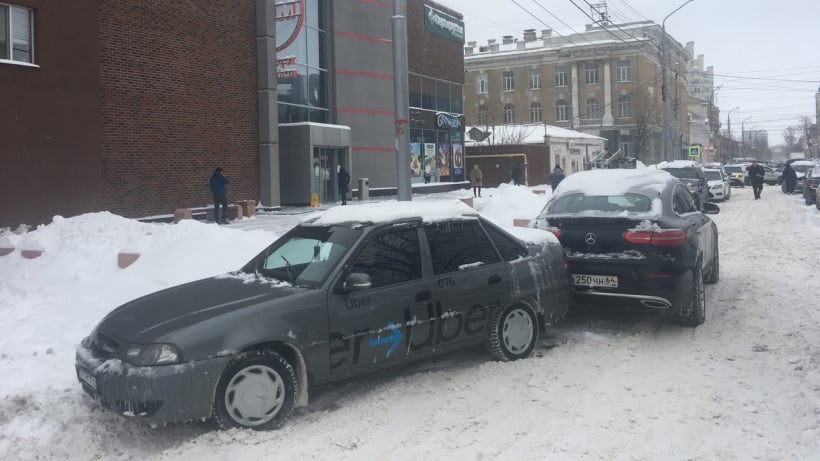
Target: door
375	326
684	205
469	281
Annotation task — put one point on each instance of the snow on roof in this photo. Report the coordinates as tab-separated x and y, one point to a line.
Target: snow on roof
612	182
391	210
532	133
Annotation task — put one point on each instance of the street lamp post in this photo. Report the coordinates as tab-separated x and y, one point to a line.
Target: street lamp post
743	136
667	107
729	123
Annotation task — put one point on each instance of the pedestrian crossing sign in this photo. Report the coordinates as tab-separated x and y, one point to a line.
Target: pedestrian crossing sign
694	151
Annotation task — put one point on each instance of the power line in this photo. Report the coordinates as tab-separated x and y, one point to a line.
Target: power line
542	22
766	79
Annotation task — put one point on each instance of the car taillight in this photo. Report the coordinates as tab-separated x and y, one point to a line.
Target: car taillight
566	260
555	231
658	238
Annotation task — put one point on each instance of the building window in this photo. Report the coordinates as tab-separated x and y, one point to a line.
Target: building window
623	68
535	112
16	33
481	84
625	148
591	73
624	106
593	108
508	80
535	79
509	113
560	75
482	115
561	111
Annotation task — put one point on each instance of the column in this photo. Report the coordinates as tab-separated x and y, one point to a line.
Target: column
268	124
576	120
608	120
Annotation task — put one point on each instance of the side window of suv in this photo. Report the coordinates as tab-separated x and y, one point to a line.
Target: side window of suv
390	257
682	201
456	244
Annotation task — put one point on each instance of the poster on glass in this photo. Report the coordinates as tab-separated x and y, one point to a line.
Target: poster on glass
430	170
458	162
415	161
444	160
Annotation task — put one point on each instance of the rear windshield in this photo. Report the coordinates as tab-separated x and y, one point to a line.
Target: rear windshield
713	175
573	203
683	173
802	168
733	169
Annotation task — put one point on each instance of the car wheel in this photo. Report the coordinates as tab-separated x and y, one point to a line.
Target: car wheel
714	268
513	332
256	391
693	313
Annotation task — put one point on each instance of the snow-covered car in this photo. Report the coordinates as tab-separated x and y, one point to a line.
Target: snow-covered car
811	184
350	291
635	238
737	174
692	176
719	188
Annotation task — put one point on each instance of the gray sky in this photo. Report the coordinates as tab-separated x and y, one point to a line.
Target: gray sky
747	42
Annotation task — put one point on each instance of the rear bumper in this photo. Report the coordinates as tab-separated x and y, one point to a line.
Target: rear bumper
639	286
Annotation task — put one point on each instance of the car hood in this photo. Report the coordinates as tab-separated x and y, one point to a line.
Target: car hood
716	182
152	317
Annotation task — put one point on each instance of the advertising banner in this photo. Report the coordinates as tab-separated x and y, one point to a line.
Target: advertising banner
430	160
458	161
443	160
441	23
415	160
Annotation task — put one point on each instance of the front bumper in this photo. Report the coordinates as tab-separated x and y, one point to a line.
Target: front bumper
163	393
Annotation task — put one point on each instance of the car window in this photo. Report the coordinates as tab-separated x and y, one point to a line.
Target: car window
458	245
682	201
713	175
390	257
573	203
509	248
733	169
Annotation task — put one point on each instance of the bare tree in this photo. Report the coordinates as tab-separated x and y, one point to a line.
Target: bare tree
648	120
790	139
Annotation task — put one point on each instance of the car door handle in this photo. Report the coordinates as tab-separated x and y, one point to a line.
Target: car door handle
423	295
495	278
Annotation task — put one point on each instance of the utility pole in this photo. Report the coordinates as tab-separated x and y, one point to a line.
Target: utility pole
729	122
401	97
667	109
743	137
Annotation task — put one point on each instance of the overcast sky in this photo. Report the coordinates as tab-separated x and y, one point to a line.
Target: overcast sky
747	42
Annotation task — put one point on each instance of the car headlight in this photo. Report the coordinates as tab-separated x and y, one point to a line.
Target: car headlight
153	354
717	187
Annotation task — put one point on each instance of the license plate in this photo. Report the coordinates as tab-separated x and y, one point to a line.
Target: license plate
605	281
87	378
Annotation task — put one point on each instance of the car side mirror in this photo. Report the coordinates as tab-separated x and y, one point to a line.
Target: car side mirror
356	281
711	208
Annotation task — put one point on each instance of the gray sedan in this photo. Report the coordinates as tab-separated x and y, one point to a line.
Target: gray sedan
330	299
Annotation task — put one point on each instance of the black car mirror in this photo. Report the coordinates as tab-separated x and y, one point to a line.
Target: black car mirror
710	208
356	281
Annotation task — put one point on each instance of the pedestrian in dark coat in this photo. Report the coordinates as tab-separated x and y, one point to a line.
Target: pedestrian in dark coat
517	173
556	177
343	179
476	180
789	178
217	184
756	174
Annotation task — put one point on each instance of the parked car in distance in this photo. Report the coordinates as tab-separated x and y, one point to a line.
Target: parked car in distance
737	175
718	181
692	176
801	167
353	290
811	184
635	239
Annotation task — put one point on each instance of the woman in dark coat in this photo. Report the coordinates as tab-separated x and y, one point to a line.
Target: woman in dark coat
789	178
343	179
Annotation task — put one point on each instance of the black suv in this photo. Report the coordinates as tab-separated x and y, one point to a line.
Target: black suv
691	174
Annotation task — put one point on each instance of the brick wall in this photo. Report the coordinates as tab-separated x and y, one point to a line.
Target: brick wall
178	98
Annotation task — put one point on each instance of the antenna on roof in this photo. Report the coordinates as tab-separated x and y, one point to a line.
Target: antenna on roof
600	11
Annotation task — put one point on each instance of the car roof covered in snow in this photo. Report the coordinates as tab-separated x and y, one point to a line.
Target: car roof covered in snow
615	181
390	211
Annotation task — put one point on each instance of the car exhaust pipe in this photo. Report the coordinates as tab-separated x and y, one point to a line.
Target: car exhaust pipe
656	304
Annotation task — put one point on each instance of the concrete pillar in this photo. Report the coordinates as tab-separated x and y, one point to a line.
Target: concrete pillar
608	120
576	119
269	192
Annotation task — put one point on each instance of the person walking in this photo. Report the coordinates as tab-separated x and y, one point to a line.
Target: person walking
556	177
476	180
517	173
789	178
756	174
217	184
343	180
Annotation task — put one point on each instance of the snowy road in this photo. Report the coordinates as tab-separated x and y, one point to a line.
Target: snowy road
615	386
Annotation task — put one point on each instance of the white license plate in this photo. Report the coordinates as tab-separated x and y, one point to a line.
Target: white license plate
605	281
87	378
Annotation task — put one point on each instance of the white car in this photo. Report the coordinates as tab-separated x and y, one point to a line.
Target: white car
718	181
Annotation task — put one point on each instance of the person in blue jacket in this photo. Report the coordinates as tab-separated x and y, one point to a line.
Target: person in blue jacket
556	177
218	182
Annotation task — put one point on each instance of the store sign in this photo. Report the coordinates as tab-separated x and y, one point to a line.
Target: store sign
290	17
443	24
447	121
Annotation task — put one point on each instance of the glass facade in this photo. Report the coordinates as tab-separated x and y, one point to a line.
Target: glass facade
436	129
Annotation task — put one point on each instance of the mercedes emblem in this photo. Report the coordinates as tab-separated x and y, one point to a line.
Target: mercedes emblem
590	238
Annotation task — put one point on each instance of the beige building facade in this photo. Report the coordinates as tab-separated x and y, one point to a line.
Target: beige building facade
605	82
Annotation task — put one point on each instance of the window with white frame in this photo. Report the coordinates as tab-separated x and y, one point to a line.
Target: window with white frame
624	106
591	73
482	115
509	113
535	112
481	84
535	79
625	148
593	108
560	74
623	70
508	80
561	110
16	33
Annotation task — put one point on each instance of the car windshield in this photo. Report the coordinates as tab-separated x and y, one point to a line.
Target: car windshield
713	175
802	168
573	203
683	173
733	169
306	255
